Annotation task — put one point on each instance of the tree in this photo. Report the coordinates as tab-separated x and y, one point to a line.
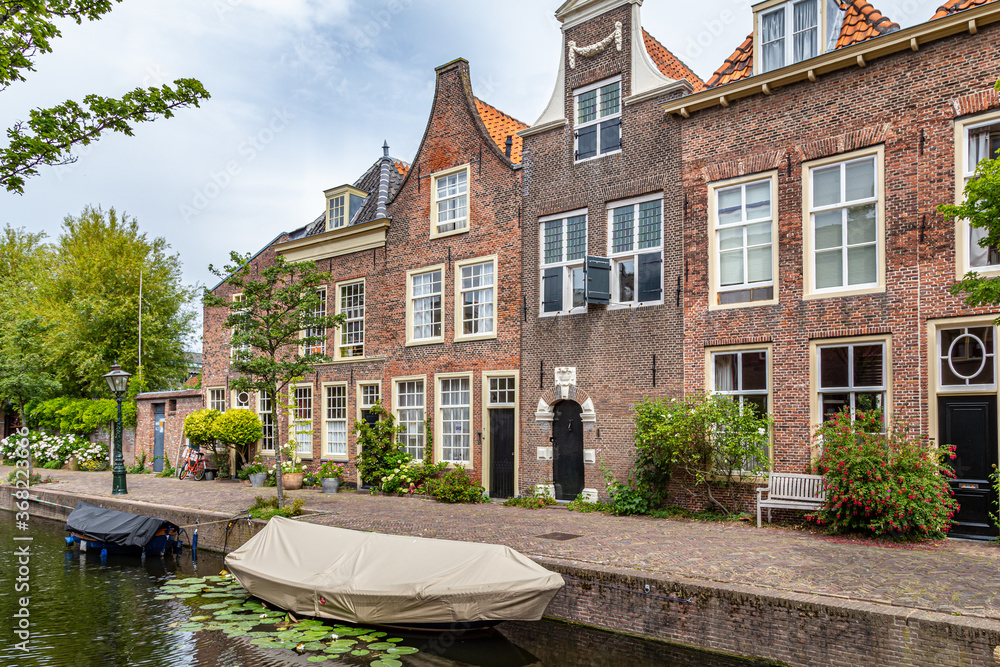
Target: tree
981	209
94	291
27	29
278	318
238	429
23	376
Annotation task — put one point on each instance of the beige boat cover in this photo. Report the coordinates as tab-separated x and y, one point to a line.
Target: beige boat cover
370	578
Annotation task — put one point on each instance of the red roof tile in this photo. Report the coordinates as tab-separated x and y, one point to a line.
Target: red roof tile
861	22
500	126
402	167
669	64
953	6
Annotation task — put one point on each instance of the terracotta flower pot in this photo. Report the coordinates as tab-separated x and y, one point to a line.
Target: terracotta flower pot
292	480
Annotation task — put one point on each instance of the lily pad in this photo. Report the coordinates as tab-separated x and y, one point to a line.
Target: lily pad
360	651
318	658
402	650
186	596
381	646
387	662
164	597
337	649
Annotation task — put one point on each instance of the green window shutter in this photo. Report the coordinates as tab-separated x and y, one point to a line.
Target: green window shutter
552	290
599	280
650	287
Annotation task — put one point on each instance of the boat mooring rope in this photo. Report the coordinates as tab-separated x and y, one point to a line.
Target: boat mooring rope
46	502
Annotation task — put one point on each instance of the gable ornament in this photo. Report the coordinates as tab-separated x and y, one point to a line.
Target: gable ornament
596	48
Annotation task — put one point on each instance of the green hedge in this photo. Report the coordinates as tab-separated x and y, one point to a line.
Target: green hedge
78	416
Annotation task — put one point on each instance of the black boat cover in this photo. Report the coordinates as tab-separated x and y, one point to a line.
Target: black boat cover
112	526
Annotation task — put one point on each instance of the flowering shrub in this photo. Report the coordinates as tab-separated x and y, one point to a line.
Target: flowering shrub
49	449
411	475
457	487
291	461
893	483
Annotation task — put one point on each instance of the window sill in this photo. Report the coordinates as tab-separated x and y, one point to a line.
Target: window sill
563	313
350	360
746	304
875	289
454	232
339	458
431	341
629	306
474	338
598	157
983	271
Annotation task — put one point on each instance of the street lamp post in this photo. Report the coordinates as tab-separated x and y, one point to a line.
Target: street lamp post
118	383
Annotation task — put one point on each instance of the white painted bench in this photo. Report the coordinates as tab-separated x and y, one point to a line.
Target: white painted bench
791	491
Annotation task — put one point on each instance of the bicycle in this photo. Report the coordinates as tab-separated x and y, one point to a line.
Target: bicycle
194	463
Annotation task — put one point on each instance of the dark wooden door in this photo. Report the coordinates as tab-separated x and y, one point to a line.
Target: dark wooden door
970	424
502	453
158	421
567	450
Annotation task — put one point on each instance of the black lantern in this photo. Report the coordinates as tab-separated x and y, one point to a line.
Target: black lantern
117	381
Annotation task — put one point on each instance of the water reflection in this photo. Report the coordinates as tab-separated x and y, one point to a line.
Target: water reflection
85	611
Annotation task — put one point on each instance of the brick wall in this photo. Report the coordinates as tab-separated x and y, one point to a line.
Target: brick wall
177	405
612	350
454	136
905	103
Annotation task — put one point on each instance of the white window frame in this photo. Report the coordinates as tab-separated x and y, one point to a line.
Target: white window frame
215	399
261	414
568	266
329	421
809	246
963	174
337	207
320	349
407	439
942	356
788	6
352	318
818	390
363	398
716	288
577	125
298	422
410	299
486	442
633	254
439	417
460	292
463	224
244	402
768	349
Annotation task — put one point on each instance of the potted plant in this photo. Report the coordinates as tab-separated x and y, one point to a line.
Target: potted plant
256	472
331	474
292	471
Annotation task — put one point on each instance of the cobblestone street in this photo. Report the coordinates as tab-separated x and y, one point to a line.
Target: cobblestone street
948	576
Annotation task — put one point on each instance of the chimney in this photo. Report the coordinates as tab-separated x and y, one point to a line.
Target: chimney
509	145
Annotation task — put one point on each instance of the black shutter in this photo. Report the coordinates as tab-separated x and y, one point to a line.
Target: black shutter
552	290
650	288
586	142
599	280
611	135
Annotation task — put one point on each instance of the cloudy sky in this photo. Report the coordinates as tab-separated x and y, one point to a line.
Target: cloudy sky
303	94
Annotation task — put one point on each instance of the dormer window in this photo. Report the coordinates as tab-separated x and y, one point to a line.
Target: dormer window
789	33
598	119
341	205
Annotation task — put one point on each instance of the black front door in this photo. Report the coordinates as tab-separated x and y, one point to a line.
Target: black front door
502	448
970	424
158	420
567	450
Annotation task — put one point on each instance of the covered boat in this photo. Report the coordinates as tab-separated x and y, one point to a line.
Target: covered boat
375	579
94	527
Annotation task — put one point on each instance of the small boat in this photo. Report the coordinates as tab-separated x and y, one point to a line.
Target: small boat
93	527
402	582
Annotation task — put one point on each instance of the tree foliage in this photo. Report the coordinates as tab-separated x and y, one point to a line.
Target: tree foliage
381	454
78	416
93	292
48	136
199	427
981	209
277	318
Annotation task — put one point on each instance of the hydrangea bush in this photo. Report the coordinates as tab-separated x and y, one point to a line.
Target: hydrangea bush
891	483
47	448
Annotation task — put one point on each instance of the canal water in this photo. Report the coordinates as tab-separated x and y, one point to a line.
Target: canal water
85	611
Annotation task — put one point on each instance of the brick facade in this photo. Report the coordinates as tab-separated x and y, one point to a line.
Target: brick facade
456	136
177	405
611	349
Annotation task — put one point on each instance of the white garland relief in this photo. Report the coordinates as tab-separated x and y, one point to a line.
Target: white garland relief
595	49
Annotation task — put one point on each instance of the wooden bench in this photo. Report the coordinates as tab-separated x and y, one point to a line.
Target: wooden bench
791	491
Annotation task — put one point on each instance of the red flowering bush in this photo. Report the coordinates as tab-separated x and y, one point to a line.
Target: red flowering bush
893	483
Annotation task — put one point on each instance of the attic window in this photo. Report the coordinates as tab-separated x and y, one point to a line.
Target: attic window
598	119
341	205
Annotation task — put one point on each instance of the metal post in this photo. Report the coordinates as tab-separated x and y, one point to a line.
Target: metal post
118	485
